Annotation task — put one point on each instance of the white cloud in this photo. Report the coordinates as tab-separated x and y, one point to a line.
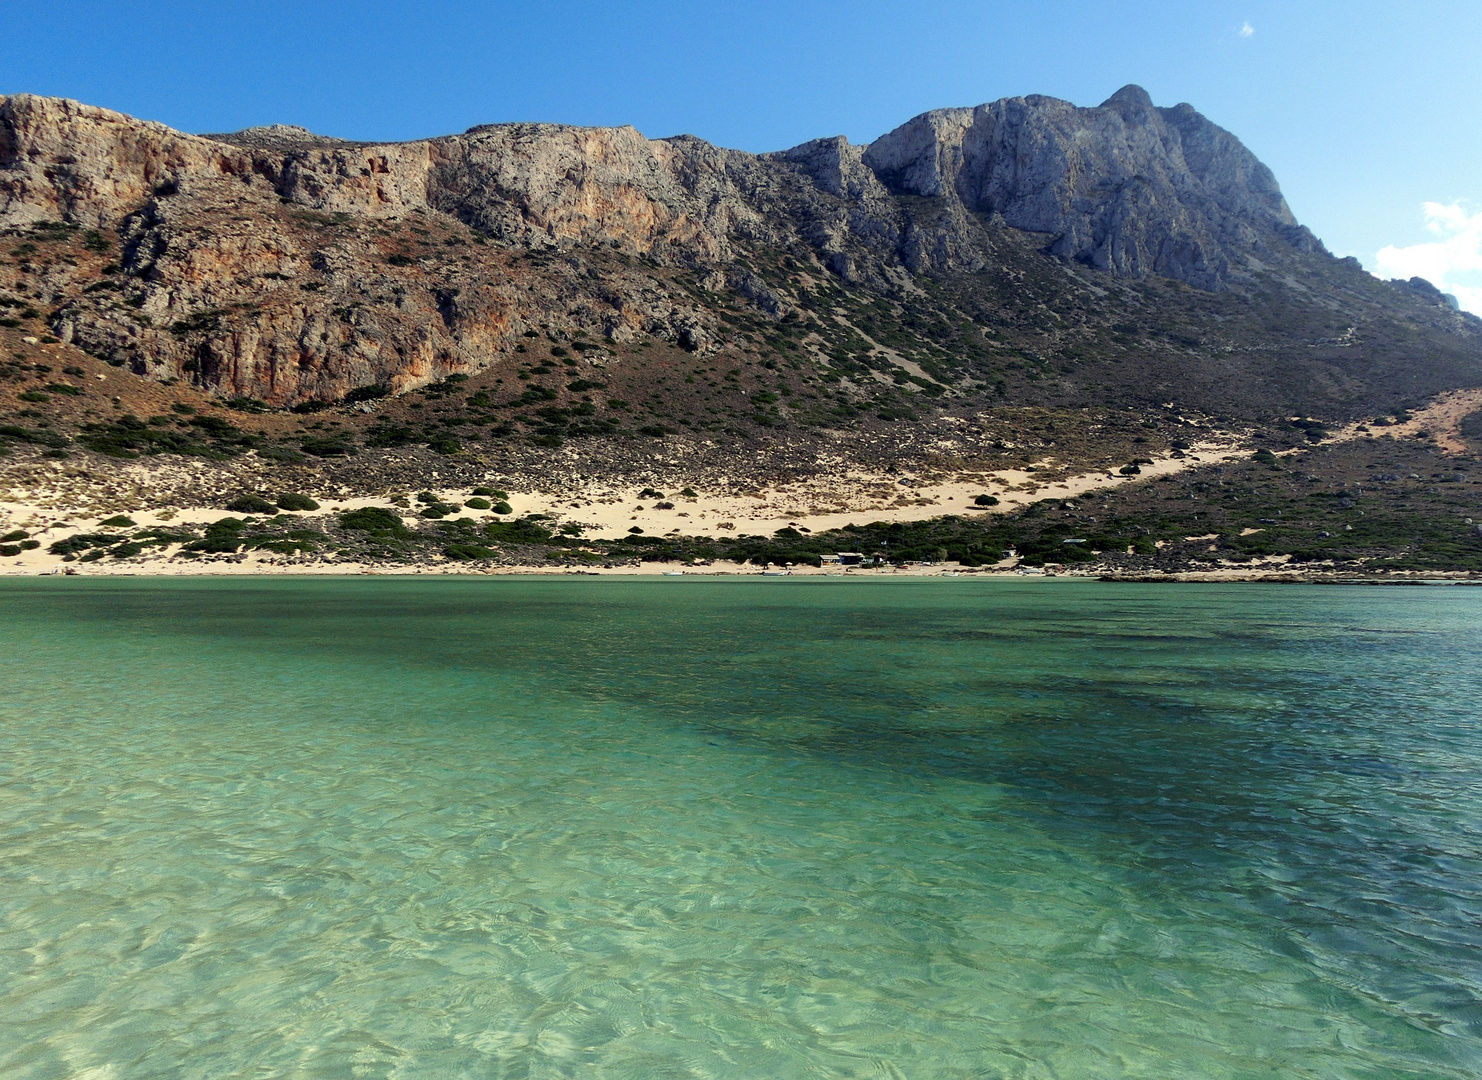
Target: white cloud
1452	264
1246	29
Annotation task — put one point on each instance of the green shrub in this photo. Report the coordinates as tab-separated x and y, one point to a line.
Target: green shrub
163	537
281	453
985	500
8	550
250	504
372	519
523	531
650	493
33	395
126	550
30	545
439	510
221	537
295	501
384	436
72	545
328	446
118	521
128	437
11	537
493	493
464	552
40	438
477	503
64	388
502	507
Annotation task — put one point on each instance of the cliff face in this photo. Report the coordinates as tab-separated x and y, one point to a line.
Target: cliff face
1125	187
277	264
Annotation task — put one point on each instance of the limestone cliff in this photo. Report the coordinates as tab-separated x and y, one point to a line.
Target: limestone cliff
281	265
1125	187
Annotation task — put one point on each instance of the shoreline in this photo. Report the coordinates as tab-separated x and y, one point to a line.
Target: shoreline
1277	574
610	510
606	512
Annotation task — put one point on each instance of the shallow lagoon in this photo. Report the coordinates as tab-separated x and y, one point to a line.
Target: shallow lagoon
783	828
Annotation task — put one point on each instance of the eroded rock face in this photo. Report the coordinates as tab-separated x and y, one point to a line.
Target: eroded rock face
264	263
1126	187
64	161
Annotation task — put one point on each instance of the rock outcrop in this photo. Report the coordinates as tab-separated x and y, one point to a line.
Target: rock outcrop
1126	187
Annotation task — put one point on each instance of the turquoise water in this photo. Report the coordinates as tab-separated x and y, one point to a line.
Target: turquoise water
772	829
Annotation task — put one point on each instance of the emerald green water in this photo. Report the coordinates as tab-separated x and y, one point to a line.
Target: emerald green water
761	829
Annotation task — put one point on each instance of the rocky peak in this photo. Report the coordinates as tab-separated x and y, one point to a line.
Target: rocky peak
1126	187
834	165
1133	103
281	137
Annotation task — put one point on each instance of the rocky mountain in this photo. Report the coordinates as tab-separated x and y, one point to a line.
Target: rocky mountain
1026	249
1091	336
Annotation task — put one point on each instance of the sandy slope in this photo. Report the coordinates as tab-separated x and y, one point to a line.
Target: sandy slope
609	513
1441	418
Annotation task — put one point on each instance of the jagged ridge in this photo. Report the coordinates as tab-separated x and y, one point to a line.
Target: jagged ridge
257	263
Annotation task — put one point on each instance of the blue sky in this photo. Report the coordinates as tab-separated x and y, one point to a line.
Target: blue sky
1366	111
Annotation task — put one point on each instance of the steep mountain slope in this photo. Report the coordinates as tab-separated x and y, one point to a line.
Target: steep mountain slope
951	258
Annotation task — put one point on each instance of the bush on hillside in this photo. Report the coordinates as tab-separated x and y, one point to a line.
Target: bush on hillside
372	519
249	503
